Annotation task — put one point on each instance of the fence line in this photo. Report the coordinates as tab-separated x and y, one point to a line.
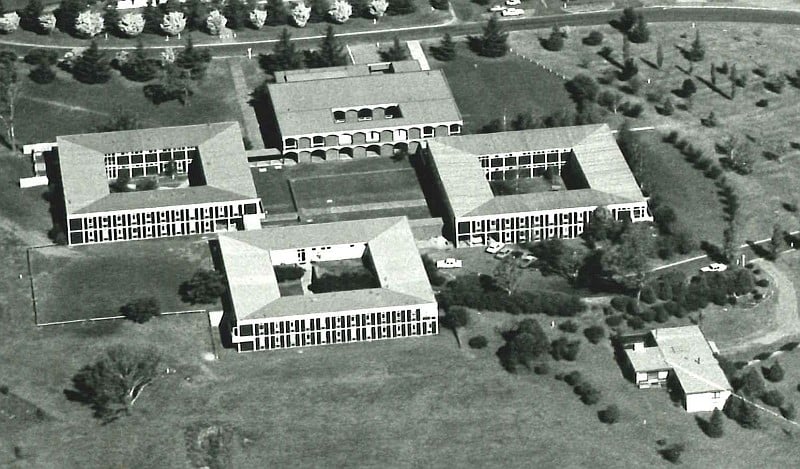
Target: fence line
106	318
546	68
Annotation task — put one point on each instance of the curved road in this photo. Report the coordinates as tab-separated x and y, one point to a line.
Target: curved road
653	14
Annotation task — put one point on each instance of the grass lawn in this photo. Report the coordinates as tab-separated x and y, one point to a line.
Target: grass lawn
94	281
385	186
678	184
487	89
410	212
22	211
772	127
273	188
67	106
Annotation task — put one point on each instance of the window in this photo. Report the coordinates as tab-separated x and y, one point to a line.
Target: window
246	330
716	394
427	132
373	136
318	141
291	143
365	114
339	117
392	112
345	139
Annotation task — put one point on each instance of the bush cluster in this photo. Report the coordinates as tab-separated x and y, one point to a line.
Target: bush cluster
482	292
565	349
569	326
594	333
288	272
609	415
588	393
478	342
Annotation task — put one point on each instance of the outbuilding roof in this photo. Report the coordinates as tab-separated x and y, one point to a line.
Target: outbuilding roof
306	107
221	157
253	286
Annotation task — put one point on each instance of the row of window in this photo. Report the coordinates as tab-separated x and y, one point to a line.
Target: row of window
100	235
122	219
368	137
523	235
149	156
366	114
146	169
523	160
531	221
330	322
341	336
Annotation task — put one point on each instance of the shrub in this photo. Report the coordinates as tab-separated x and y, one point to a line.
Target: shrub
4	390
775	373
788	411
671	137
594	333
609	415
541	368
42	74
703	163
41	56
288	272
751	384
773	398
555	42
614	321
758	295
648	295
563	348
588	393
620	303
573	378
648	315
762	282
141	310
434	275
569	326
478	342
594	38
636	323
762	103
713	172
672	453
714	429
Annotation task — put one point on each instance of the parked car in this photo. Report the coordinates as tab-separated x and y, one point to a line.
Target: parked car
526	260
496	8
503	253
494	246
513	3
513	12
449	263
715	267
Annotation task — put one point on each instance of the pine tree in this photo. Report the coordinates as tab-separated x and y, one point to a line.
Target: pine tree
626	48
29	16
640	32
446	50
713	74
330	53
285	55
494	42
660	56
401	7
395	53
715	429
237	12
111	16
172	6
196	12
194	61
152	18
139	66
92	66
697	51
667	108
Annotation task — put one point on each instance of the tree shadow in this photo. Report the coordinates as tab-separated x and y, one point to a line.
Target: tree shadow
702	423
475	44
609	59
649	63
712	87
714	252
760	251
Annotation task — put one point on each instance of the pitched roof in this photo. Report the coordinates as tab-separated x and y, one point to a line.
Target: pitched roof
221	150
254	288
594	148
686	351
306	107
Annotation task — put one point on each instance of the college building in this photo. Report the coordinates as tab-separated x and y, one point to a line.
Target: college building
261	314
357	111
586	159
679	356
153	183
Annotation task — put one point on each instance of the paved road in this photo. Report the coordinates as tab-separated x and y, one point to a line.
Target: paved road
654	14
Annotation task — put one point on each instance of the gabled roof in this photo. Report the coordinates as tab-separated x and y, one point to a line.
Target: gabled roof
595	150
306	107
222	158
254	288
686	351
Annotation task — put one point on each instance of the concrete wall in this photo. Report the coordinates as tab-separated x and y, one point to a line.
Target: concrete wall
705	402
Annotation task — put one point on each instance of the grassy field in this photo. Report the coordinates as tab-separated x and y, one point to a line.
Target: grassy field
390	185
693	196
487	89
750	47
94	281
67	106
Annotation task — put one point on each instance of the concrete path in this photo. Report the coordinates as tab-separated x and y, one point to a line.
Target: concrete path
250	127
418	54
310	212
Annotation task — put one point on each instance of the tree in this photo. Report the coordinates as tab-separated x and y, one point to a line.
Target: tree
610	99
632	149
627	21
67	12
715	428
523	344
493	43
175	84
42	74
377	8
139	66
205	287
627	261
236	12
640	33
672	453
171	6
258	18
9	92
594	333
401	7
455	318
29	15
660	56
216	22
284	55
744	413
114	383
331	52
196	13
395	53
440	4
554	42
89	24
775	372
505	276
775	242
554	257
173	23
92	66
446	51
751	384
121	120
697	51
152	17
688	88
610	414
340	11
583	89
193	60
667	108
141	310
131	24
47	23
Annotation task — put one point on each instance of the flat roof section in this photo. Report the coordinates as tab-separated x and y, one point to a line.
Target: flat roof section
222	158
306	107
254	288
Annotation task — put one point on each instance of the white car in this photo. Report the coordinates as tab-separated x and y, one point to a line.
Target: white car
715	267
494	246
449	263
513	12
505	252
497	8
526	260
513	3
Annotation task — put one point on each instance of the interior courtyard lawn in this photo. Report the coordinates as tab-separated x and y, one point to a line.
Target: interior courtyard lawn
95	281
486	89
67	106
